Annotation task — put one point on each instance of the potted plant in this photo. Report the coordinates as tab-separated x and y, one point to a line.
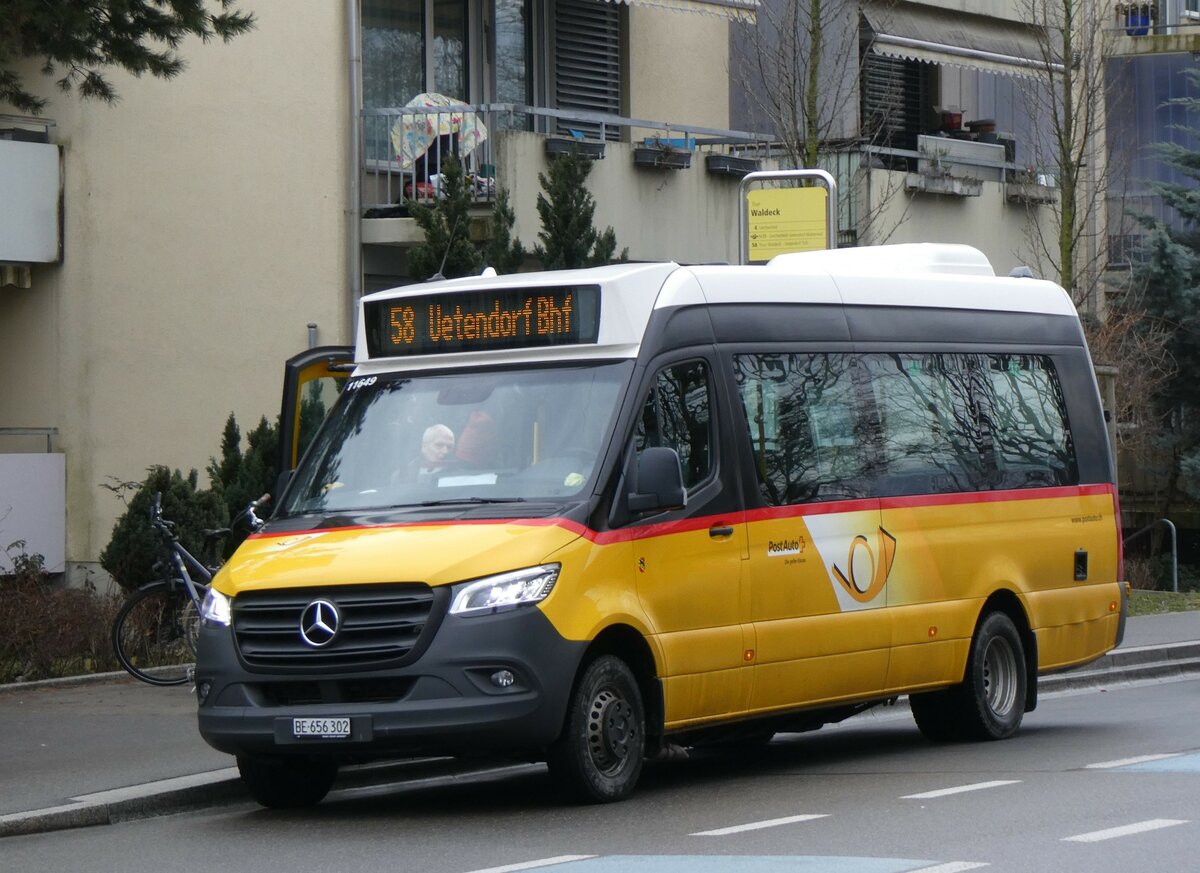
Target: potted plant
663	153
587	148
731	165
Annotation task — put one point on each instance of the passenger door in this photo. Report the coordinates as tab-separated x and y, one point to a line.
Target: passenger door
690	563
819	557
312	381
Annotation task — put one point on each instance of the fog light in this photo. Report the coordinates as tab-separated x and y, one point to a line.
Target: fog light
503	678
202	692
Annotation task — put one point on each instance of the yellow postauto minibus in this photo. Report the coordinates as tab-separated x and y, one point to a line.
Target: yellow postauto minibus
587	516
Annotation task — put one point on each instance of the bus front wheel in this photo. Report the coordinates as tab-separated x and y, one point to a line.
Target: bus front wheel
598	757
286	783
990	702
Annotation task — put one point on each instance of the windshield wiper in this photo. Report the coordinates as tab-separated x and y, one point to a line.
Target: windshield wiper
455	501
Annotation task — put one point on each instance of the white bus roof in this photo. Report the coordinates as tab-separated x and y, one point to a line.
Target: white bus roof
923	275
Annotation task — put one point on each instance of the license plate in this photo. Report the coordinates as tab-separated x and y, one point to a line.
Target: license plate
321	728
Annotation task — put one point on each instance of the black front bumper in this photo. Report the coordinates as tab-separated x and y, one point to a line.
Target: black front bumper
445	702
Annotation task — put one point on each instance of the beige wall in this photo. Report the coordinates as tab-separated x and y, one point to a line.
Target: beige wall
204	228
678	67
681	215
989	222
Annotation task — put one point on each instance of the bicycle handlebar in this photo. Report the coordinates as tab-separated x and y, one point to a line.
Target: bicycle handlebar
167	527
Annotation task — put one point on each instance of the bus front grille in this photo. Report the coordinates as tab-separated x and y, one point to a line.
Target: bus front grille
331	628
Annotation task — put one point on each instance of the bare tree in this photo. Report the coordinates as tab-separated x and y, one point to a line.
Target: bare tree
800	68
1067	103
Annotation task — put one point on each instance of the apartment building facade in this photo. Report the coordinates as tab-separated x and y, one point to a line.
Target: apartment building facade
206	228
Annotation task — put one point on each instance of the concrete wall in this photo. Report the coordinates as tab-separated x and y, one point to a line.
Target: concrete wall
204	228
995	226
682	215
678	67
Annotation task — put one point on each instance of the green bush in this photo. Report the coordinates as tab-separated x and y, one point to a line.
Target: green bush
131	554
242	476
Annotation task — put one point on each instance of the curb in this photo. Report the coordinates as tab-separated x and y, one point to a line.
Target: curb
64	681
169	796
123	804
1169	661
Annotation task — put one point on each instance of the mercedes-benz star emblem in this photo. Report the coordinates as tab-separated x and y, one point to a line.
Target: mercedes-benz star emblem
319	623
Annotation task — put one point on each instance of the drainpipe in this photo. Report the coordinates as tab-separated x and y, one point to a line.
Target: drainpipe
354	186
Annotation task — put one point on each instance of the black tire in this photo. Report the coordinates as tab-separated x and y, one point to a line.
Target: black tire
598	758
990	702
995	682
936	715
154	634
287	783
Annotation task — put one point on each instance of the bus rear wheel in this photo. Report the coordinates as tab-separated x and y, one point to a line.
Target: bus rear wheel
598	758
990	702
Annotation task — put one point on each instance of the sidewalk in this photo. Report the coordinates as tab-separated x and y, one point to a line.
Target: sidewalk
109	747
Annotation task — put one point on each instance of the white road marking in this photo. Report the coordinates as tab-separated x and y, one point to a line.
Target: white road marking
533	865
1140	827
952	867
960	789
1125	762
757	825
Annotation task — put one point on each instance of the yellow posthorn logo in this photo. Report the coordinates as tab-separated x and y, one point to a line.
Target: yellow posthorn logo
866	590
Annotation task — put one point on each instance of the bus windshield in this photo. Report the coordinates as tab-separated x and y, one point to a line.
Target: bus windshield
472	436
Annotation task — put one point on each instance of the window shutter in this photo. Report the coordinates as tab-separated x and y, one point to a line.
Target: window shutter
587	61
895	94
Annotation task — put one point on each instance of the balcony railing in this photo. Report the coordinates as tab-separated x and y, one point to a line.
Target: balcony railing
1155	17
404	148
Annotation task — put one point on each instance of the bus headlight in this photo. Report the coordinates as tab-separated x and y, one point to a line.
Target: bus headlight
506	590
215	608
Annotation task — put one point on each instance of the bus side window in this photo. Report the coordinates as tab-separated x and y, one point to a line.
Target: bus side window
808	432
934	441
1027	411
678	415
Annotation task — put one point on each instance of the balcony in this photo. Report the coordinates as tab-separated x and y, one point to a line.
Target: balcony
1155	27
682	178
30	178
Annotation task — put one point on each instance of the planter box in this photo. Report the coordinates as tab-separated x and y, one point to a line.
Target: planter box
730	165
953	186
561	145
665	159
1029	192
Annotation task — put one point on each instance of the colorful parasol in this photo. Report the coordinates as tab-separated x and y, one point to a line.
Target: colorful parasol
414	132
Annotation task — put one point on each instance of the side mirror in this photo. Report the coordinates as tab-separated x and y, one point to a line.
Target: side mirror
659	481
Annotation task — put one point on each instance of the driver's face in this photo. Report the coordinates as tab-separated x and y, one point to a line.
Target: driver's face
437	448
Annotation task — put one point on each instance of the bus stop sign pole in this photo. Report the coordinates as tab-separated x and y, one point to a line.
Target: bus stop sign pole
786	218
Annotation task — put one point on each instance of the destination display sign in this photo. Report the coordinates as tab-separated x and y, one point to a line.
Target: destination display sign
476	321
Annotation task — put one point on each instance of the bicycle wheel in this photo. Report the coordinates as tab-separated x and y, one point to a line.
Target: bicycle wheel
154	634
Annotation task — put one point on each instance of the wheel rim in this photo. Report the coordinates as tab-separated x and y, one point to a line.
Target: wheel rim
1000	676
612	730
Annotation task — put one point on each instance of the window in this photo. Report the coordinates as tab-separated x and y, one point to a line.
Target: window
930	432
805	425
895	99
400	60
835	426
678	414
1027	412
587	60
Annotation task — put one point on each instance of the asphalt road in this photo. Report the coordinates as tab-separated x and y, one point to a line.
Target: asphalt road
110	749
1083	787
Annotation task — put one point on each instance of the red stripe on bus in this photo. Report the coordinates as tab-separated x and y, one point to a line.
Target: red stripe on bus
770	513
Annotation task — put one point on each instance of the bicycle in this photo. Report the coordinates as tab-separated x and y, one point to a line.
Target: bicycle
156	630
